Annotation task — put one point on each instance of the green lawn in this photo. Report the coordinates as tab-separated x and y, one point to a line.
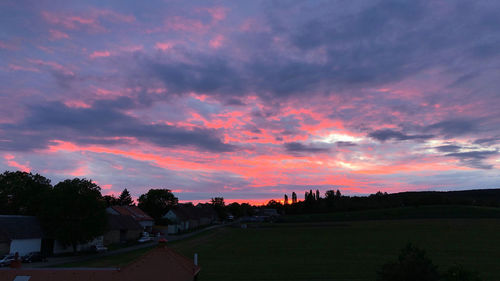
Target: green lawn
342	251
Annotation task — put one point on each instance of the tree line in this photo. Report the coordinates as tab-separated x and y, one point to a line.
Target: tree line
73	211
334	200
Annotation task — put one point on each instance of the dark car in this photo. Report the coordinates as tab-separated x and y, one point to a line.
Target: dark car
33	257
5	260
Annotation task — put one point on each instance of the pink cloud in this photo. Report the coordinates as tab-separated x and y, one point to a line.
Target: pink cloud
216	42
81	171
178	23
56	34
132	48
76	104
15	67
89	20
7	46
52	64
217	13
100	54
73	22
163	45
12	163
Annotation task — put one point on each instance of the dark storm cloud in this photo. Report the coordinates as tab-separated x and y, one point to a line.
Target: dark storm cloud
388	134
297	147
474	159
101	124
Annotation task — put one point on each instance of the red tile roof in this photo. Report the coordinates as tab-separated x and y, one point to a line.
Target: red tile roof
134	211
159	264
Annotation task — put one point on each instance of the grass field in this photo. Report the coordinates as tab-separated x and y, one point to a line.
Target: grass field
342	251
422	212
337	250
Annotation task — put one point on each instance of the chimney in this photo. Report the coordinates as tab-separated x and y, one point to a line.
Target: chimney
196	259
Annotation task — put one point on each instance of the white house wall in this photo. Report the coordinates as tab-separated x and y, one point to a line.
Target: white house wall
25	246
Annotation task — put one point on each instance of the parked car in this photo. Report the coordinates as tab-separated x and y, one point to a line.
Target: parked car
98	248
33	257
145	238
5	260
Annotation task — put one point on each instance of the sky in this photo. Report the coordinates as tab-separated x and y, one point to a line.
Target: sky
250	100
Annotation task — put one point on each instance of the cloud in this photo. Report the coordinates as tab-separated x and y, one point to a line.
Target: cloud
474	159
488	141
103	123
388	134
448	148
455	127
296	147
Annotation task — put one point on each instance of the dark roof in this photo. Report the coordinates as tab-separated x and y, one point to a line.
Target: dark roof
191	212
19	227
119	222
159	264
133	211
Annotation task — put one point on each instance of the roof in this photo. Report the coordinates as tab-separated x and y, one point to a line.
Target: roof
190	212
19	227
133	211
119	222
152	266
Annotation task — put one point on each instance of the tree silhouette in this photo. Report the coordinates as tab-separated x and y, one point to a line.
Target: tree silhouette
125	199
286	200
110	200
157	202
330	194
294	198
219	206
22	193
317	194
75	212
412	265
338	194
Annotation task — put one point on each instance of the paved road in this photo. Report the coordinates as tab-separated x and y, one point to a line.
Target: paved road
70	259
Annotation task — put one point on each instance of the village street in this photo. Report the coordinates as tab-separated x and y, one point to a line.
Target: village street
54	261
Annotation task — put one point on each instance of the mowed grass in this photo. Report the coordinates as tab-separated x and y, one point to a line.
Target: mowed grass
341	251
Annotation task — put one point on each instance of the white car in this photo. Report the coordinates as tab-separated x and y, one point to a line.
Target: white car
144	239
5	260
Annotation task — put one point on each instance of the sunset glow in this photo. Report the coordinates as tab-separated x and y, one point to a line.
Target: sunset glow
251	100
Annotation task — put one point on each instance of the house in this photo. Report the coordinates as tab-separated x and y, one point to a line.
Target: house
122	229
137	214
21	234
159	264
187	217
